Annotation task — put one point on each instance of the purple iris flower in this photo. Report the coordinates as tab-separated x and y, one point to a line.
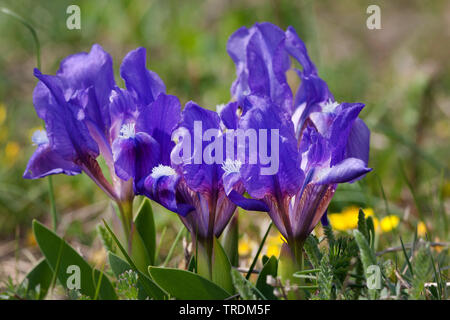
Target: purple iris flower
87	115
192	184
322	142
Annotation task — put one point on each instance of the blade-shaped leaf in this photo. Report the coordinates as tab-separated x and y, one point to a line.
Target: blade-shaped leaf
185	285
60	256
41	275
246	289
120	266
145	226
229	240
221	268
269	268
151	288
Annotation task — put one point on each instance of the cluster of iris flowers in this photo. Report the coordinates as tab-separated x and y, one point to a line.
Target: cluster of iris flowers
321	142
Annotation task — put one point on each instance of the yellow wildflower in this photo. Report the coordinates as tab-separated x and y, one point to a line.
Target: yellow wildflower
244	247
389	223
421	229
30	239
348	218
12	149
273	250
274	244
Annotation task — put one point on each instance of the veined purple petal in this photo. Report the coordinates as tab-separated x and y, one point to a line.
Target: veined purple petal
310	94
159	120
236	49
288	177
67	135
347	113
134	157
224	210
315	149
161	186
358	144
122	109
261	63
124	151
46	162
199	175
296	48
94	69
145	84
309	207
247	203
94	120
229	115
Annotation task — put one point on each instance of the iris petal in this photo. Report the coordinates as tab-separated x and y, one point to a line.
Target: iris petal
46	162
145	84
345	171
158	120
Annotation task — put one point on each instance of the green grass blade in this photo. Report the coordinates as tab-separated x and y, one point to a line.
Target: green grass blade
172	248
406	257
28	25
261	245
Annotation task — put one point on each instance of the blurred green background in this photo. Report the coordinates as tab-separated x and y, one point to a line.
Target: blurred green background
401	72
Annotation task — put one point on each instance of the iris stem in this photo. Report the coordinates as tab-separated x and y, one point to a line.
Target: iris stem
126	215
291	261
204	250
51	196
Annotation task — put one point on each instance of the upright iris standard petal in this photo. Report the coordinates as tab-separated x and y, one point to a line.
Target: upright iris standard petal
200	176
296	48
146	85
346	114
358	144
229	114
287	176
159	120
94	71
260	63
